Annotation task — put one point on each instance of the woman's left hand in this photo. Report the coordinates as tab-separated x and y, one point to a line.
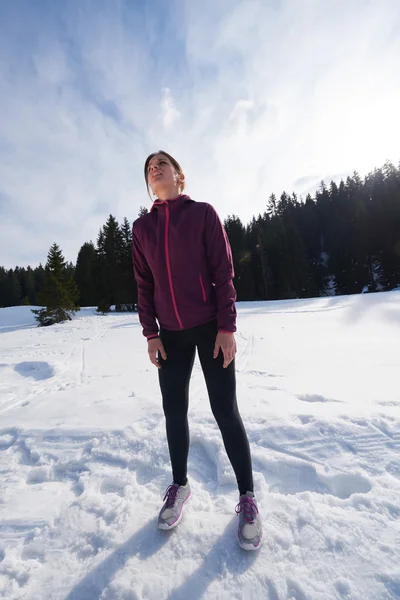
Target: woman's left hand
227	343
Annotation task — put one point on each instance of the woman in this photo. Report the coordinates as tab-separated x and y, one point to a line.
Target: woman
186	300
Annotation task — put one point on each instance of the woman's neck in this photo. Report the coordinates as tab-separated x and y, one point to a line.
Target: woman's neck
168	193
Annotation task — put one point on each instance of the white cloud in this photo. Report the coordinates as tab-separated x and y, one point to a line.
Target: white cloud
169	113
260	96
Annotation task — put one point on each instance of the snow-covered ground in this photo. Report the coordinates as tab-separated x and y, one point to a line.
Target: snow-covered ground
84	461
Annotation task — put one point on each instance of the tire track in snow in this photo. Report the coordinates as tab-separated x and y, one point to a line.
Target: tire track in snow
321	464
376	444
83	365
246	354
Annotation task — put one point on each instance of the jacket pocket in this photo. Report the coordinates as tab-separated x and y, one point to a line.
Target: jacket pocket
203	291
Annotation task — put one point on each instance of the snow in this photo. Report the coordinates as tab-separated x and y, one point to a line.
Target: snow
84	460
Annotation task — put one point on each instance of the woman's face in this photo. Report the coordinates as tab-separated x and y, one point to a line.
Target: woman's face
161	174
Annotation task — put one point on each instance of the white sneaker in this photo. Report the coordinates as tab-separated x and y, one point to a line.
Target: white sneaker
171	513
250	528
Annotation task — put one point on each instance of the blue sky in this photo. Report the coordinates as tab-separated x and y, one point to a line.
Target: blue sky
251	97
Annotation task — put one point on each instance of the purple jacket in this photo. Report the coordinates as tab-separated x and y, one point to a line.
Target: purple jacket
183	267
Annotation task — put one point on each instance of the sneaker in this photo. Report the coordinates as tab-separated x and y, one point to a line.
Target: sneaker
250	529
171	513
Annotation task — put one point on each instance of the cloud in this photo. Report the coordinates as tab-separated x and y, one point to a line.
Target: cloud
316	78
307	180
169	113
251	98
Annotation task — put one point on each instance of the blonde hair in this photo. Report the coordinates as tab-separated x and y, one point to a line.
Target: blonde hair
174	162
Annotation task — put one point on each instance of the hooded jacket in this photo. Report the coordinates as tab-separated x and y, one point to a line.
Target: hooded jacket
183	267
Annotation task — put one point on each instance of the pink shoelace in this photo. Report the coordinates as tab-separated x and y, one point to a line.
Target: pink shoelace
170	495
249	508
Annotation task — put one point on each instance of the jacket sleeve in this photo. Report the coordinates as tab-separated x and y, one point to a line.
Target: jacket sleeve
219	257
145	283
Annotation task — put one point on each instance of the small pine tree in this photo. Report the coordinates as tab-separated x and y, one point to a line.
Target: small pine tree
59	294
103	307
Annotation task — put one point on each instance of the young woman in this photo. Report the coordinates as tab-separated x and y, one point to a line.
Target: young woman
186	300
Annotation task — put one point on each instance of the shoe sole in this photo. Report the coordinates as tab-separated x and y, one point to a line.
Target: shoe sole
249	547
165	526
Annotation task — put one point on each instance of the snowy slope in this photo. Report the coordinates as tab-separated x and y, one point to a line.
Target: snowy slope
84	461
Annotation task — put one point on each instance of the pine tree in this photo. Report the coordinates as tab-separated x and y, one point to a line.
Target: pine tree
310	231
59	293
241	258
11	288
3	287
100	277
103	307
259	263
127	285
386	194
109	255
85	275
27	283
285	265
39	276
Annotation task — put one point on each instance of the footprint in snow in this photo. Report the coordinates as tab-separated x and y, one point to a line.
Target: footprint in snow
315	398
292	477
33	551
113	485
261	373
385	403
393	468
305	419
202	464
38	475
7	440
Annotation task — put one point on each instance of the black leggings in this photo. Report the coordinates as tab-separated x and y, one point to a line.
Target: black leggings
174	376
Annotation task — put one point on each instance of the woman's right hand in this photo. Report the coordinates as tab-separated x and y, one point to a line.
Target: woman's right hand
155	346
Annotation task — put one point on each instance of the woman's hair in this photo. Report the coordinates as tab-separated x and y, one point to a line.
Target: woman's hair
174	162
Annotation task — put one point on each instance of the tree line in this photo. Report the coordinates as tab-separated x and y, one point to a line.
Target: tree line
343	240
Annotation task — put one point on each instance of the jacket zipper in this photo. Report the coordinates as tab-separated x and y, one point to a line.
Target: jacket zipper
203	291
169	265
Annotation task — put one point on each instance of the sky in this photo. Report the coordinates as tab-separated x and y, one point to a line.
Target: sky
251	97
